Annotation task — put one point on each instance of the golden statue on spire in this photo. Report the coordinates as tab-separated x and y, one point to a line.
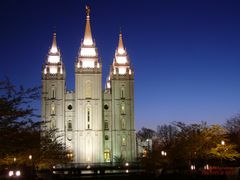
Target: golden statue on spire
87	10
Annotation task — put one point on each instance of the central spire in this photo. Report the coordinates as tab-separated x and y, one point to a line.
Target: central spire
120	44
88	34
54	44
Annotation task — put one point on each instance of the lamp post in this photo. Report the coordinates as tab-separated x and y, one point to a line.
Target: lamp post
223	144
30	157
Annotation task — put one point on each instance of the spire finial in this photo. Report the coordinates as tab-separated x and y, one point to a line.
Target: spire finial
88	34
120	44
87	10
54	43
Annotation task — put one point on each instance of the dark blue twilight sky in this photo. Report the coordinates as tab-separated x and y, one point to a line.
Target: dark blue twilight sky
186	54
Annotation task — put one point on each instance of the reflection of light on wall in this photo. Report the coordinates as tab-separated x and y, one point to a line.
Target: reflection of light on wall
130	71
88	64
53	69
121	51
122	70
53	59
121	59
88	52
87	42
53	49
108	85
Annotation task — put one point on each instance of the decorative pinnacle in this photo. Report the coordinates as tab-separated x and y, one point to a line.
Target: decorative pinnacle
87	10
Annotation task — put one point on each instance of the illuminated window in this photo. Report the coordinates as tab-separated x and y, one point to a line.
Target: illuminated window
69	125
88	116
122	108
124	141
123	124
106	125
107	155
122	92
53	111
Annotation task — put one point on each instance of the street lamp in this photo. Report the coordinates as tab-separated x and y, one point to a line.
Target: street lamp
223	144
30	157
163	153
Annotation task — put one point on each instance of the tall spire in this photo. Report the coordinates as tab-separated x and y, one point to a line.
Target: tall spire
54	53
120	44
54	44
88	34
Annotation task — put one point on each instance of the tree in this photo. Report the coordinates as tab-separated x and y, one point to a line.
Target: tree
232	126
20	133
146	133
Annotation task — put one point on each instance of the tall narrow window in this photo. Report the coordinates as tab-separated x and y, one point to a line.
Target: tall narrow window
106	125
53	123
53	111
122	92
53	93
69	125
124	141
107	155
88	117
123	123
88	89
122	108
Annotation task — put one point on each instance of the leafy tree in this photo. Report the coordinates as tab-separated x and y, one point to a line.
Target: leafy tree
20	133
233	129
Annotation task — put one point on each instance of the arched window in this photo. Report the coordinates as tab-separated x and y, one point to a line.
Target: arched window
123	123
88	117
106	125
107	155
122	108
124	143
53	109
88	89
53	93
122	95
69	125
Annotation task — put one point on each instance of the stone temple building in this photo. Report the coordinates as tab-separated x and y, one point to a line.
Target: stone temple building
96	124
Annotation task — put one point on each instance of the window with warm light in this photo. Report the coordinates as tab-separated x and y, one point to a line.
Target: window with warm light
88	64
53	111
122	108
53	69
122	70
107	156
124	143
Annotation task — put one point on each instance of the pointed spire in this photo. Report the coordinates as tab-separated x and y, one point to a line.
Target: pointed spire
120	48
54	55
54	44
88	34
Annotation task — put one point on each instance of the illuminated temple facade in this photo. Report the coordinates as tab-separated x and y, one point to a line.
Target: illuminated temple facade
96	124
